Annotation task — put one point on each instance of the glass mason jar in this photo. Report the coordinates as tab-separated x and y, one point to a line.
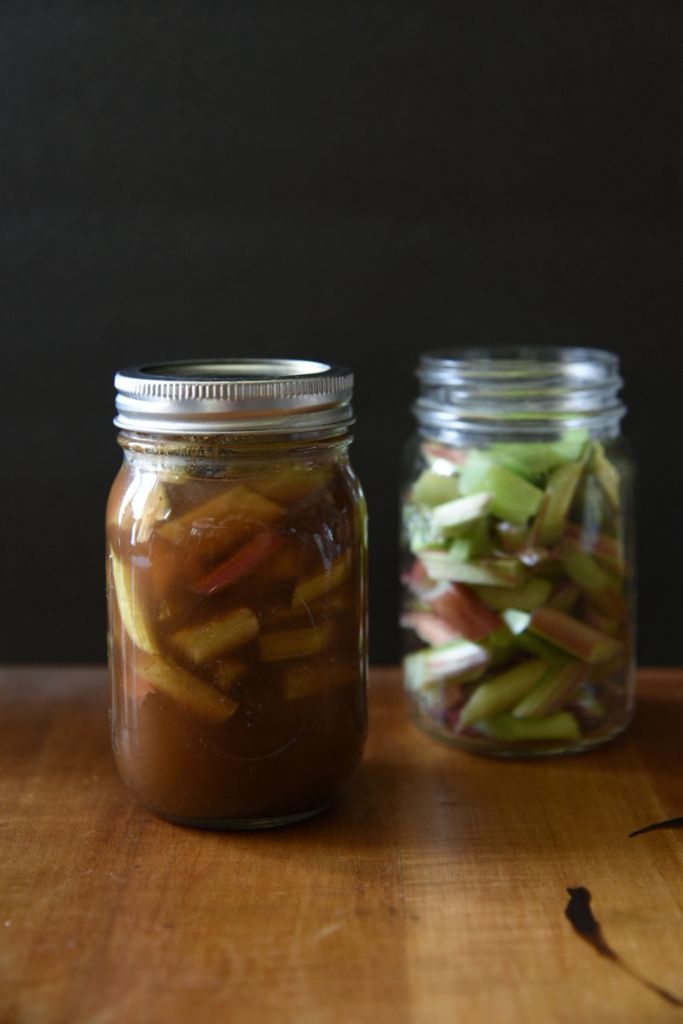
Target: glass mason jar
517	552
236	567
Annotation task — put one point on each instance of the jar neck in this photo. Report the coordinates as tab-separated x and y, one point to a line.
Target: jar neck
525	393
219	447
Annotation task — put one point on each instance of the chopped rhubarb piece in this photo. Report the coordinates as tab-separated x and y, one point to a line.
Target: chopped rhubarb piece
564	597
210	639
607	474
560	490
226	519
458	660
194	694
292	483
438	453
512	498
460	608
304	679
601	589
603	623
131	608
416	578
534	459
460	511
227	672
429	628
312	587
240	563
433	489
573	636
502	692
530	595
561	726
294	643
509	538
539	648
608	550
500	572
556	688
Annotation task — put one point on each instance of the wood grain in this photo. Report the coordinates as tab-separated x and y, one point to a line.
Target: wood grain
435	892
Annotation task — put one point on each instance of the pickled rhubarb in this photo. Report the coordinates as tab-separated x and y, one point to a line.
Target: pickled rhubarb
237	644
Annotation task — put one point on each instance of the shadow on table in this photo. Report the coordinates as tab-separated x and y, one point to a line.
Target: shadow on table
441	802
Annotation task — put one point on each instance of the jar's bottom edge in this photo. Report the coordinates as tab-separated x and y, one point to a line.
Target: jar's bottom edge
242	824
528	752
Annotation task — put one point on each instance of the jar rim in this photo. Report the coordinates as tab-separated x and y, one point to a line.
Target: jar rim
234	395
501	361
525	388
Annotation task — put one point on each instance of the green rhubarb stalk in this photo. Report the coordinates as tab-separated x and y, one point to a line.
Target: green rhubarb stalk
598	585
501	572
434	489
530	595
208	640
184	688
502	692
606	473
532	460
558	685
312	587
294	643
512	498
560	491
461	511
131	610
560	726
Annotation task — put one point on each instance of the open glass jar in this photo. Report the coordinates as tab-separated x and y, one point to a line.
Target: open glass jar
236	568
517	551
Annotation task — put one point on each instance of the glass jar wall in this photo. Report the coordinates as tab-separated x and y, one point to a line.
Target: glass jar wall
517	552
236	579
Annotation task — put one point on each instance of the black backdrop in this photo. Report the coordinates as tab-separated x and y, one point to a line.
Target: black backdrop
349	181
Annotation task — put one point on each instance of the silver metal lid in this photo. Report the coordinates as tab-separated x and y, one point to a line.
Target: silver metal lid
228	396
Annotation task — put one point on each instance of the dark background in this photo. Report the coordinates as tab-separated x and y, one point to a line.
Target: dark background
355	182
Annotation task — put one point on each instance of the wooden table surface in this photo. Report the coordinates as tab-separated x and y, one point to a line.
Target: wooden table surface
435	892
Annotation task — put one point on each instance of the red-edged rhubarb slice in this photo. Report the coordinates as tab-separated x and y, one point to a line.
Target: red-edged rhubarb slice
416	578
460	660
608	550
223	520
240	563
573	636
460	608
433	630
